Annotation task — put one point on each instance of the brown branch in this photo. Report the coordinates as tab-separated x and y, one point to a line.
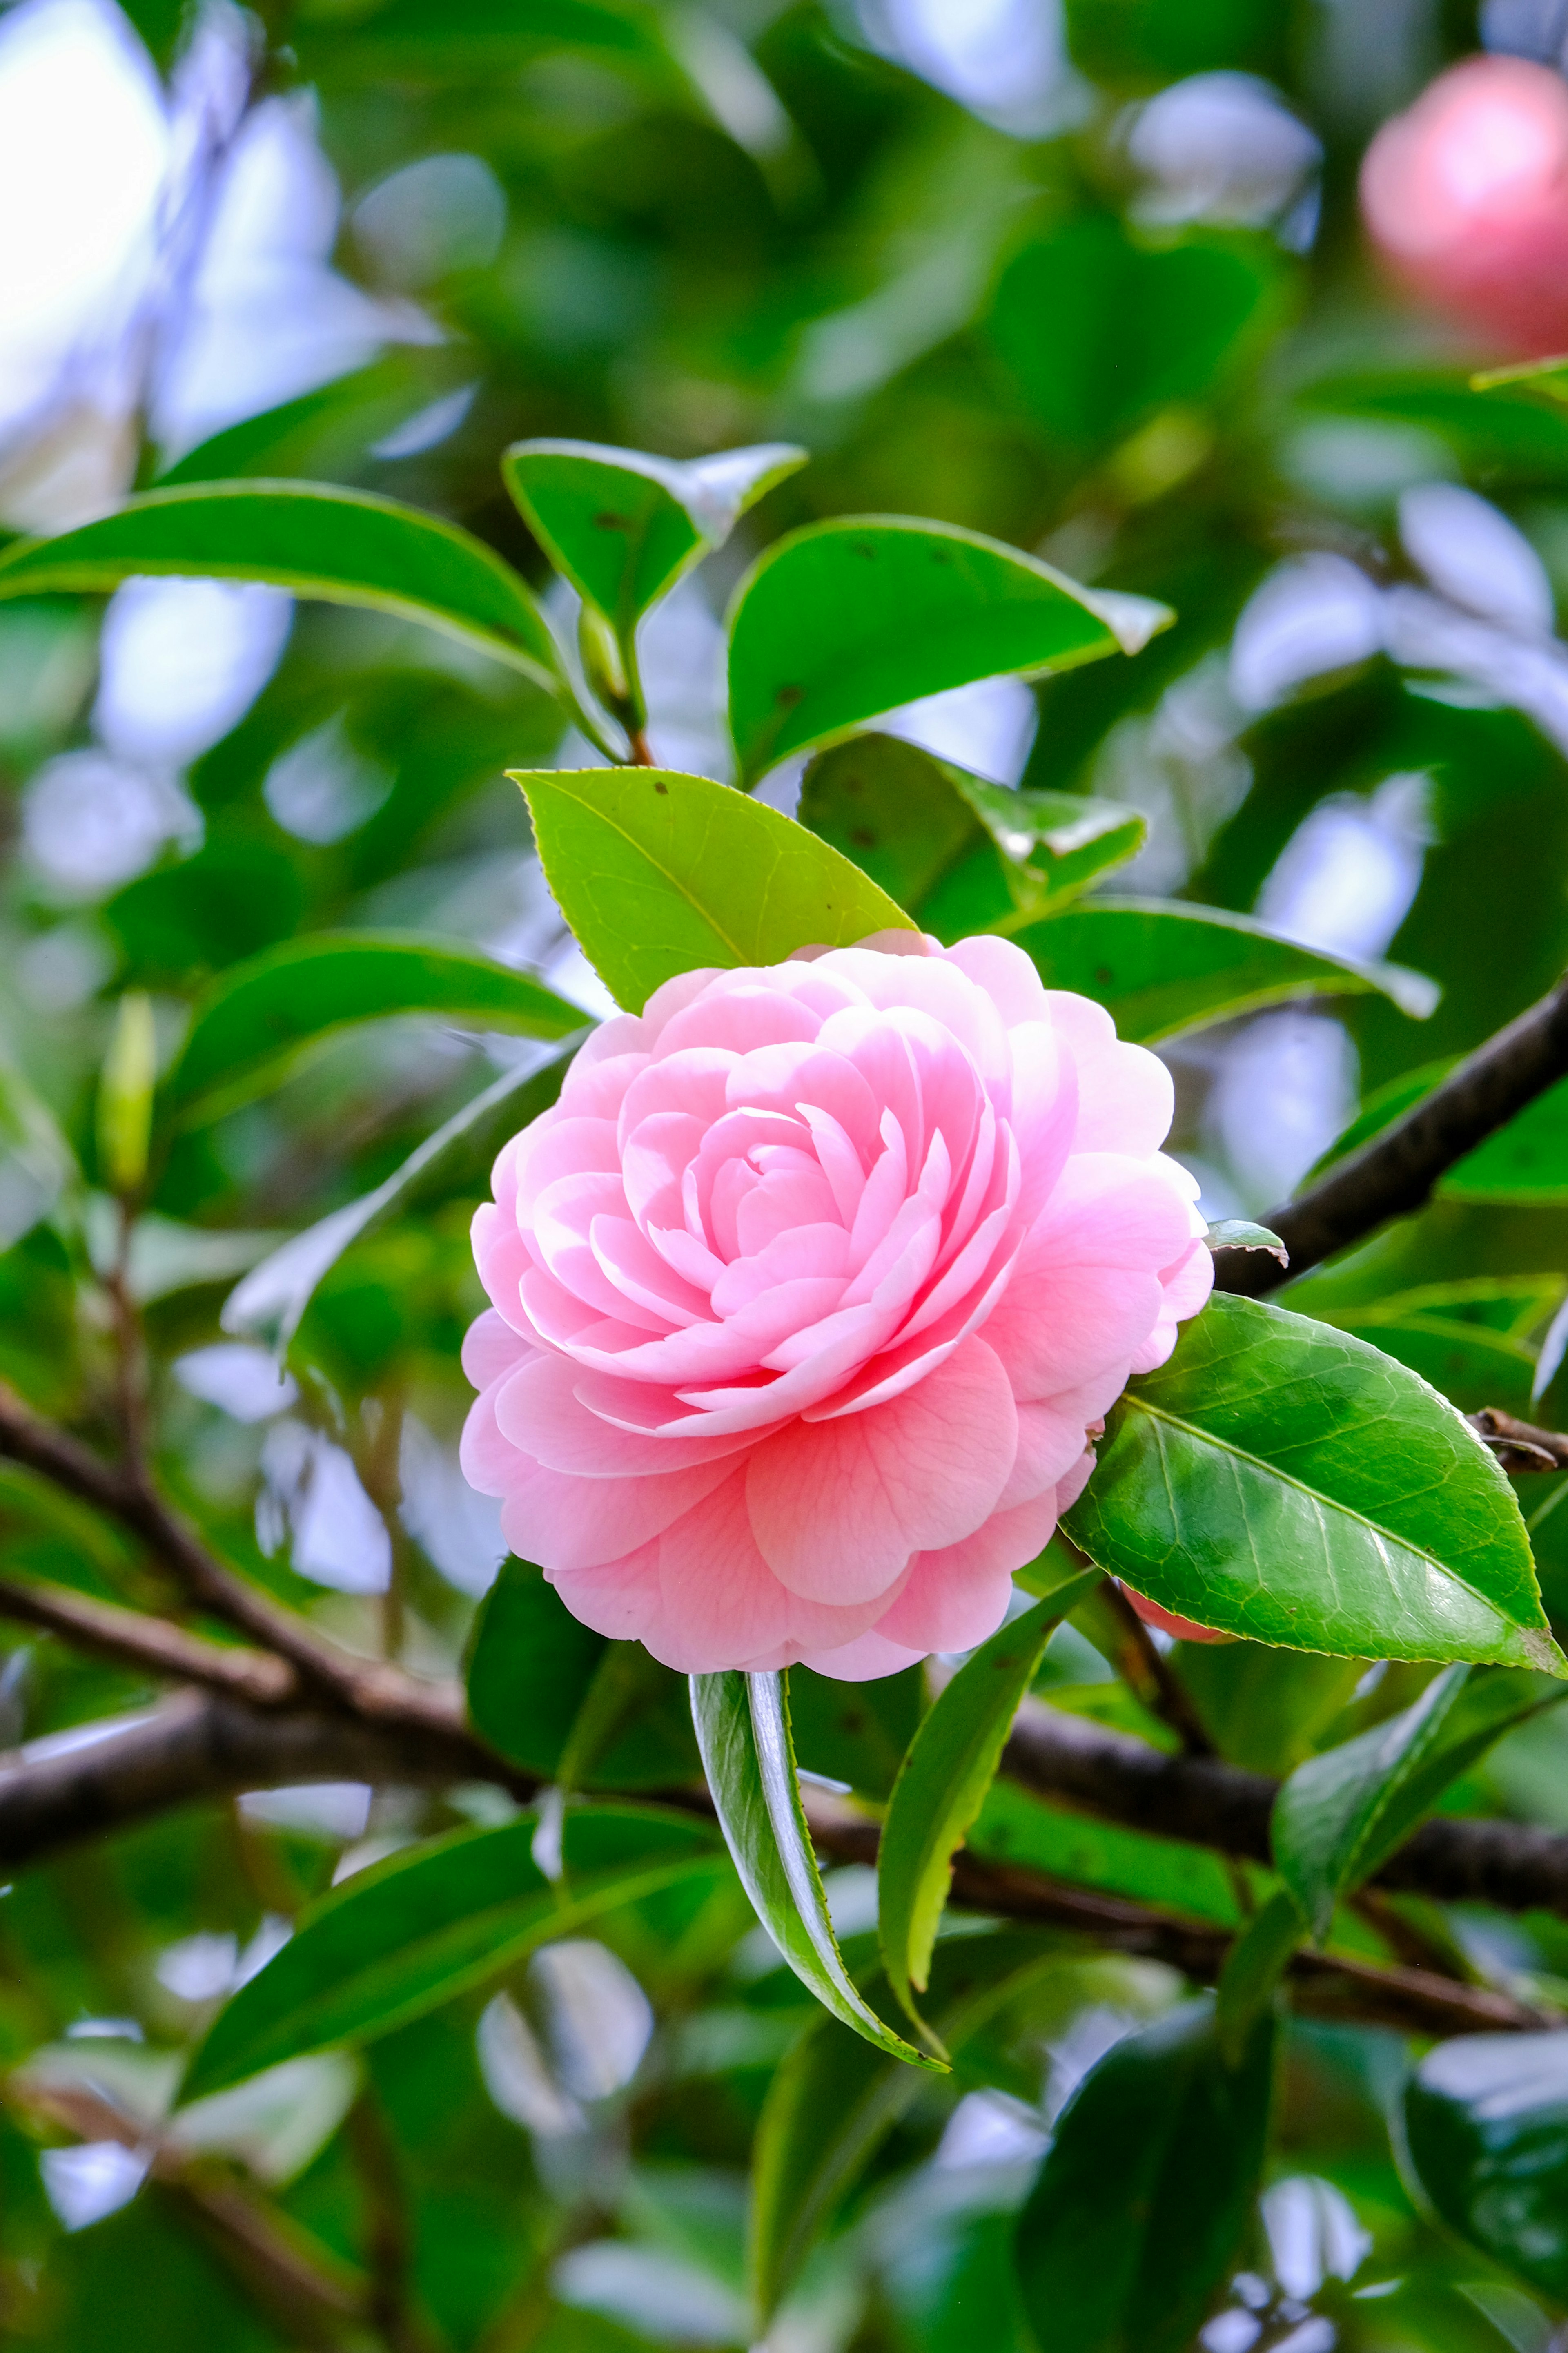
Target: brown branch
1395	1173
373	1689
131	1638
1519	1445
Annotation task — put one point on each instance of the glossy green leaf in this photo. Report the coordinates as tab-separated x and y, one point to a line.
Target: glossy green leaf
483	37
1287	1481
1548	379
1240	1233
319	434
405	1934
254	1022
1139	2208
529	1669
346	547
941	1784
1471	1340
1486	2130
270	1302
1161	968
1341	1815
624	526
1524	1164
844	620
855	1732
743	1731
1254	1967
836	2098
958	852
1018	1827
659	873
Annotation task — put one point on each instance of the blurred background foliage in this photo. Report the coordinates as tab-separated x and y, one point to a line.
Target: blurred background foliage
1090	279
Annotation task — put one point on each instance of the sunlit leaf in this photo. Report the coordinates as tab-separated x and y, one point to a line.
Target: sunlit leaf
1287	1481
844	620
659	873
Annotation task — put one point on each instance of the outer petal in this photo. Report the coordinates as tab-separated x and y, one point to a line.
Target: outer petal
839	1507
567	1524
864	1661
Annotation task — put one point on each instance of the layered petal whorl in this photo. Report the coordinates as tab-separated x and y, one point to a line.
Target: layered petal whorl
808	1293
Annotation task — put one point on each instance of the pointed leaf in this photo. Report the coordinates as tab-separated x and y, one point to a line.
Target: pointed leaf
256	1020
1253	1969
398	1939
743	1731
1240	1233
836	2098
270	1302
844	619
1137	2213
1161	968
1486	2130
958	852
1284	1481
347	547
941	1784
624	526
1341	1815
659	873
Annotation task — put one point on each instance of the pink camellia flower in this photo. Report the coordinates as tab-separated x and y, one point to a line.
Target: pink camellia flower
808	1294
1465	197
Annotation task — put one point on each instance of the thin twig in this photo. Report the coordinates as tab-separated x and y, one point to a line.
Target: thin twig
1394	1174
134	1638
1518	1445
1150	1673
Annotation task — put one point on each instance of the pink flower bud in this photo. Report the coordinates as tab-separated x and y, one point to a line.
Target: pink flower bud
808	1292
1466	198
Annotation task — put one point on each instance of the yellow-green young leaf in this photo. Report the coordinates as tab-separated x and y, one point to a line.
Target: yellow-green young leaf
1284	1481
623	526
1252	1967
1138	2210
125	1094
941	1784
1341	1815
844	619
255	1021
1159	969
398	1939
346	547
659	873
961	854
742	1730
836	2098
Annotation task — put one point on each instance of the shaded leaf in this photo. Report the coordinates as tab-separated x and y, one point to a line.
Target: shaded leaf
530	1668
347	547
1287	1481
1138	2210
659	873
836	2098
399	1938
37	1163
1161	968
1341	1815
942	1782
844	620
1524	1163
743	1731
272	1301
958	852
1486	2130
1253	1969
251	1024
1016	1827
624	526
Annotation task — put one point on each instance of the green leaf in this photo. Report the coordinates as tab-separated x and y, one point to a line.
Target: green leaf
1240	1233
1468	1339
844	620
1139	2207
624	526
1547	378
855	1732
36	1163
743	1731
659	873
530	1669
471	36
836	2098
1380	1109
1524	1163
347	547
1284	1481
1253	1969
337	422
1018	1827
1339	1816
270	1302
1161	968
254	1022
406	1935
1486	2130
941	1784
958	852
